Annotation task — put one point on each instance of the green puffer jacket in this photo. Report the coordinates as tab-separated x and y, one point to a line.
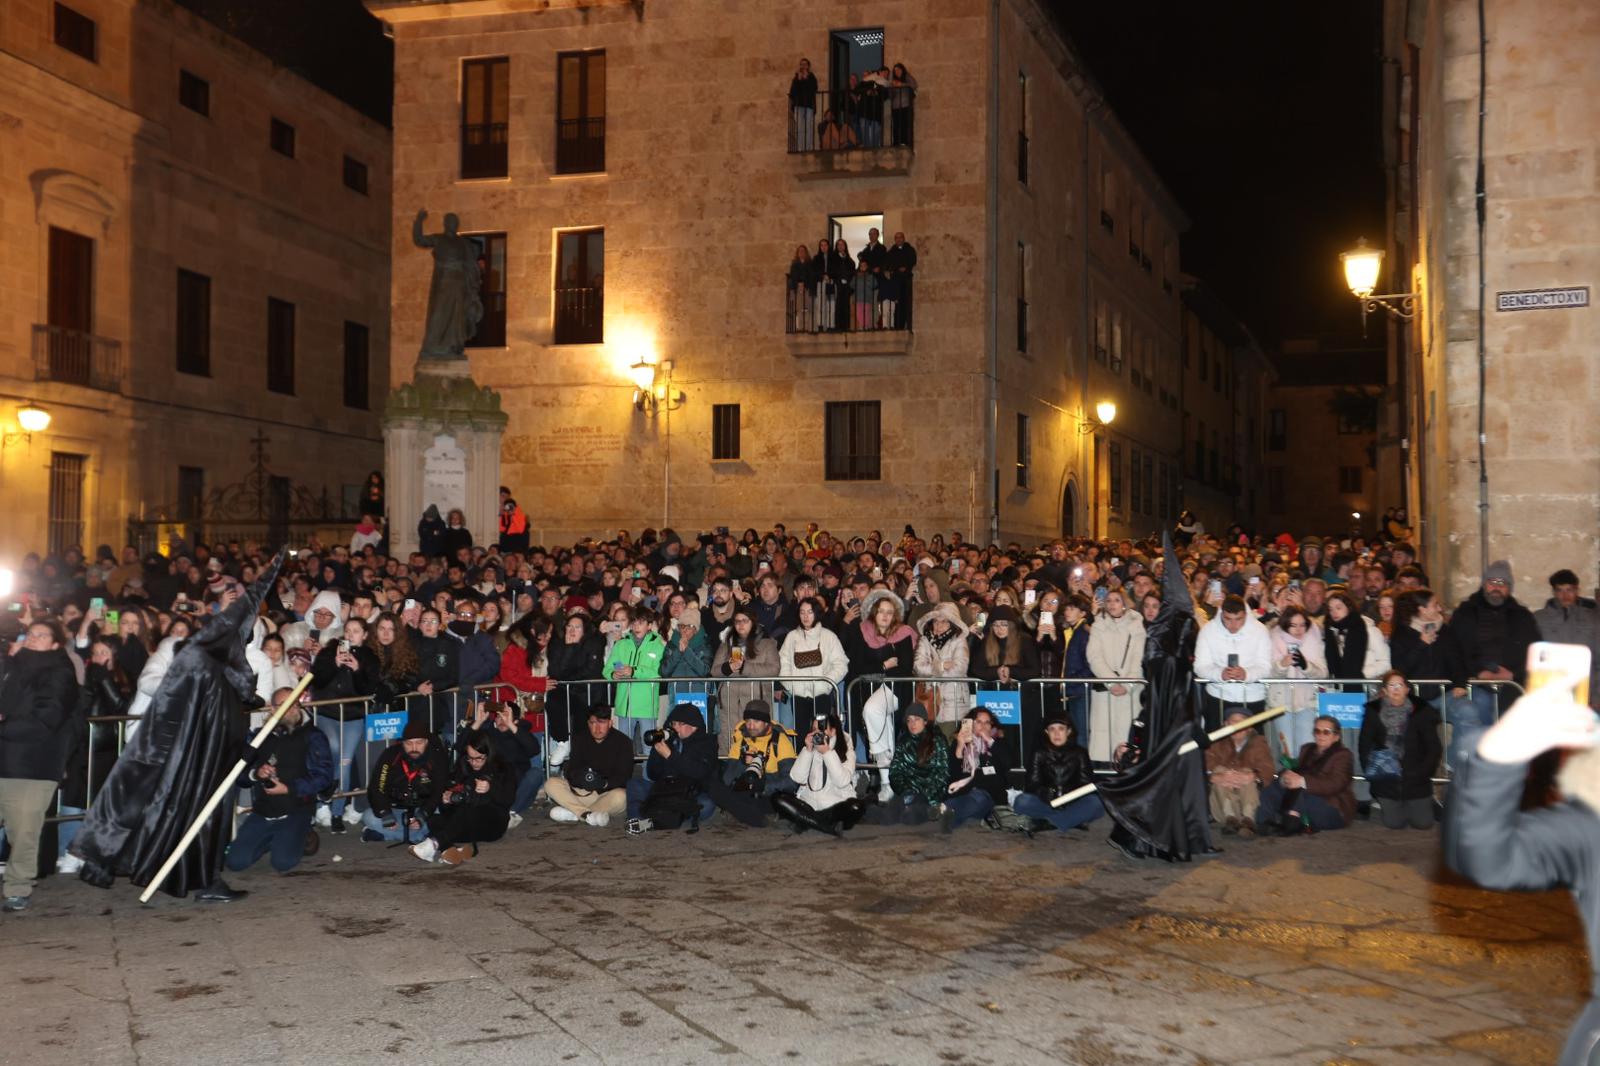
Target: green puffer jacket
930	781
635	698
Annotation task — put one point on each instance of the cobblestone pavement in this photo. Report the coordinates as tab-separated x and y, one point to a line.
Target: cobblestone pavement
576	945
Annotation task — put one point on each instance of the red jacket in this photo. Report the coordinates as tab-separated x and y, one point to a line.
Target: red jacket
514	672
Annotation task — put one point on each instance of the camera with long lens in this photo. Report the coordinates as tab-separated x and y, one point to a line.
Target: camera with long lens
754	775
654	737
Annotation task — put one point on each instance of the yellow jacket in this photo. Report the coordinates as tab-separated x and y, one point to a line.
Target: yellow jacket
777	745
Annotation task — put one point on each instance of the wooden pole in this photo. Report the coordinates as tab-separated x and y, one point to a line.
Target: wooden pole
1187	746
228	782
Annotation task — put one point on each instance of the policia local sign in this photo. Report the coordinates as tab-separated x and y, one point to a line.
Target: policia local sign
1541	299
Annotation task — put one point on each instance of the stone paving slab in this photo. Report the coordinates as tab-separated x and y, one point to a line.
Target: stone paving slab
575	945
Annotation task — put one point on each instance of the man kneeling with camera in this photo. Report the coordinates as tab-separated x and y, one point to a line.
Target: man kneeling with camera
475	808
405	784
293	765
593	785
761	753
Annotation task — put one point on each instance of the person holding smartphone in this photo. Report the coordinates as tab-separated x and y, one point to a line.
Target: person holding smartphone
347	671
1232	654
881	647
980	761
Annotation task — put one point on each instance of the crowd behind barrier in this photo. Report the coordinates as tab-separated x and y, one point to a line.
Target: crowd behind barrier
861	674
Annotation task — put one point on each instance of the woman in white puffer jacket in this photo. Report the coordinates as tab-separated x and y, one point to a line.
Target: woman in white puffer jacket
943	652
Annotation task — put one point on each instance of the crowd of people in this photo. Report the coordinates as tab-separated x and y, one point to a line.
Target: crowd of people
831	291
874	109
838	679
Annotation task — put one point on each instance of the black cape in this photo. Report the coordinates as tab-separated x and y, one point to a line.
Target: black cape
188	741
1159	804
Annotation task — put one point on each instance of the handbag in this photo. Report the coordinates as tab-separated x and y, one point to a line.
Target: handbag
808	660
927	694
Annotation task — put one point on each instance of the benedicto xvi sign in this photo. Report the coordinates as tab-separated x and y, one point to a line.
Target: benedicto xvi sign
1541	299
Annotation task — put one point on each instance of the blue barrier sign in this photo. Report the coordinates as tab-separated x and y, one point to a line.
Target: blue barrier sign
387	726
696	696
1348	707
1005	706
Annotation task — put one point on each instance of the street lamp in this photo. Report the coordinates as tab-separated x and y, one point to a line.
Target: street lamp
647	395
1362	265
31	419
1105	412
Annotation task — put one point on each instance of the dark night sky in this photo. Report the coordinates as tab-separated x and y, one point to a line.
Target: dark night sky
1262	117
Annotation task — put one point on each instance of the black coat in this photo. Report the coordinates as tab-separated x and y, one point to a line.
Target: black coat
694	759
612	759
416	785
329	681
1420	750
1054	771
1518	630
993	775
38	700
1416	658
454	539
103	695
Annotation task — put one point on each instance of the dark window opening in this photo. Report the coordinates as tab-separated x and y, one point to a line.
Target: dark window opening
1149	484
580	112
280	346
76	32
357	368
491	290
1024	451
281	138
1116	476
724	431
1277	430
1350	480
1022	297
191	493
355	175
1133	479
485	117
194	92
580	303
70	308
194	323
1022	128
852	441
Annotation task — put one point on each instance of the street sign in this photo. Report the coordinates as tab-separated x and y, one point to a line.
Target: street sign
1541	299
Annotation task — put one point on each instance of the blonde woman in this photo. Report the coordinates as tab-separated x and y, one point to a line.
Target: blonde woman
1116	649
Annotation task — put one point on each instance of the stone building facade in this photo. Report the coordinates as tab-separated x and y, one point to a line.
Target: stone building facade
640	180
196	254
1321	434
1531	68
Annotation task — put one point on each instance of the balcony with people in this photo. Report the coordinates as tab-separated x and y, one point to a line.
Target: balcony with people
836	303
863	124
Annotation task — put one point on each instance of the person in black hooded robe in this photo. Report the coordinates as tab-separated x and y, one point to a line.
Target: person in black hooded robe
1158	801
191	736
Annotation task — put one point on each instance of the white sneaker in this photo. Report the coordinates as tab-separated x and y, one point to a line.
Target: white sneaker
561	814
324	816
559	752
638	826
427	851
598	819
514	820
68	864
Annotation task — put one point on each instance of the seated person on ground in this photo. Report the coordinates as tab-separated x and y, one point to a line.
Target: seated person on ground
979	762
920	770
1237	769
683	757
826	773
292	766
761	752
513	738
1400	749
475	808
592	787
1057	767
407	780
1316	794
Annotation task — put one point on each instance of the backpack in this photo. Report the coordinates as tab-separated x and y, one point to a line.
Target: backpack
671	801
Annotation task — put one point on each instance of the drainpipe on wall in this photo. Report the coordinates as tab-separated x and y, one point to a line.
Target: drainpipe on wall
991	407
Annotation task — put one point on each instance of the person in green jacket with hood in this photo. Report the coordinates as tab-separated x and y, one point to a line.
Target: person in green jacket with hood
634	660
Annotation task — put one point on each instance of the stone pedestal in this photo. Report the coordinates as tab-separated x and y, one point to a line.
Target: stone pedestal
441	443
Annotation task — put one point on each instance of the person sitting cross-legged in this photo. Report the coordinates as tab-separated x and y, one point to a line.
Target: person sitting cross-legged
680	764
294	764
1058	767
979	762
406	783
920	770
1237	769
592	787
474	809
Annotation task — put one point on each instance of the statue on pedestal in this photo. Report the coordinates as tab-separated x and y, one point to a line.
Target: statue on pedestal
455	302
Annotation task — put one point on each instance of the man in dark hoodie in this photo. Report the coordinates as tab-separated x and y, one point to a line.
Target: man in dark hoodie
288	771
683	761
1493	632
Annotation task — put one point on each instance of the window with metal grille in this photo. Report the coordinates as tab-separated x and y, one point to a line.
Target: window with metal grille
725	431
1350	480
580	112
580	267
485	117
281	138
355	175
66	500
194	92
194	323
280	346
356	366
1024	451
76	32
491	290
1022	297
852	441
1116	476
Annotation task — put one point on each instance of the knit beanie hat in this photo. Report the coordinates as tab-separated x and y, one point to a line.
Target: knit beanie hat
760	710
917	710
1500	570
416	729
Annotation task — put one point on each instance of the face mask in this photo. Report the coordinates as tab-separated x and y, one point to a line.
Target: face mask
461	627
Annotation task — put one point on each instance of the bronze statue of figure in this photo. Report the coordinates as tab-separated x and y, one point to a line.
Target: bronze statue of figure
455	302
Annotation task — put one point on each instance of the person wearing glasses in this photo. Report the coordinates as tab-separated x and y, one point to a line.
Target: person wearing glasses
1315	794
475	807
1399	750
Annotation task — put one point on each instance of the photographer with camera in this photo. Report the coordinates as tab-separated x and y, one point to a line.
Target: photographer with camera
594	779
475	807
826	773
407	780
761	753
683	758
293	765
517	743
